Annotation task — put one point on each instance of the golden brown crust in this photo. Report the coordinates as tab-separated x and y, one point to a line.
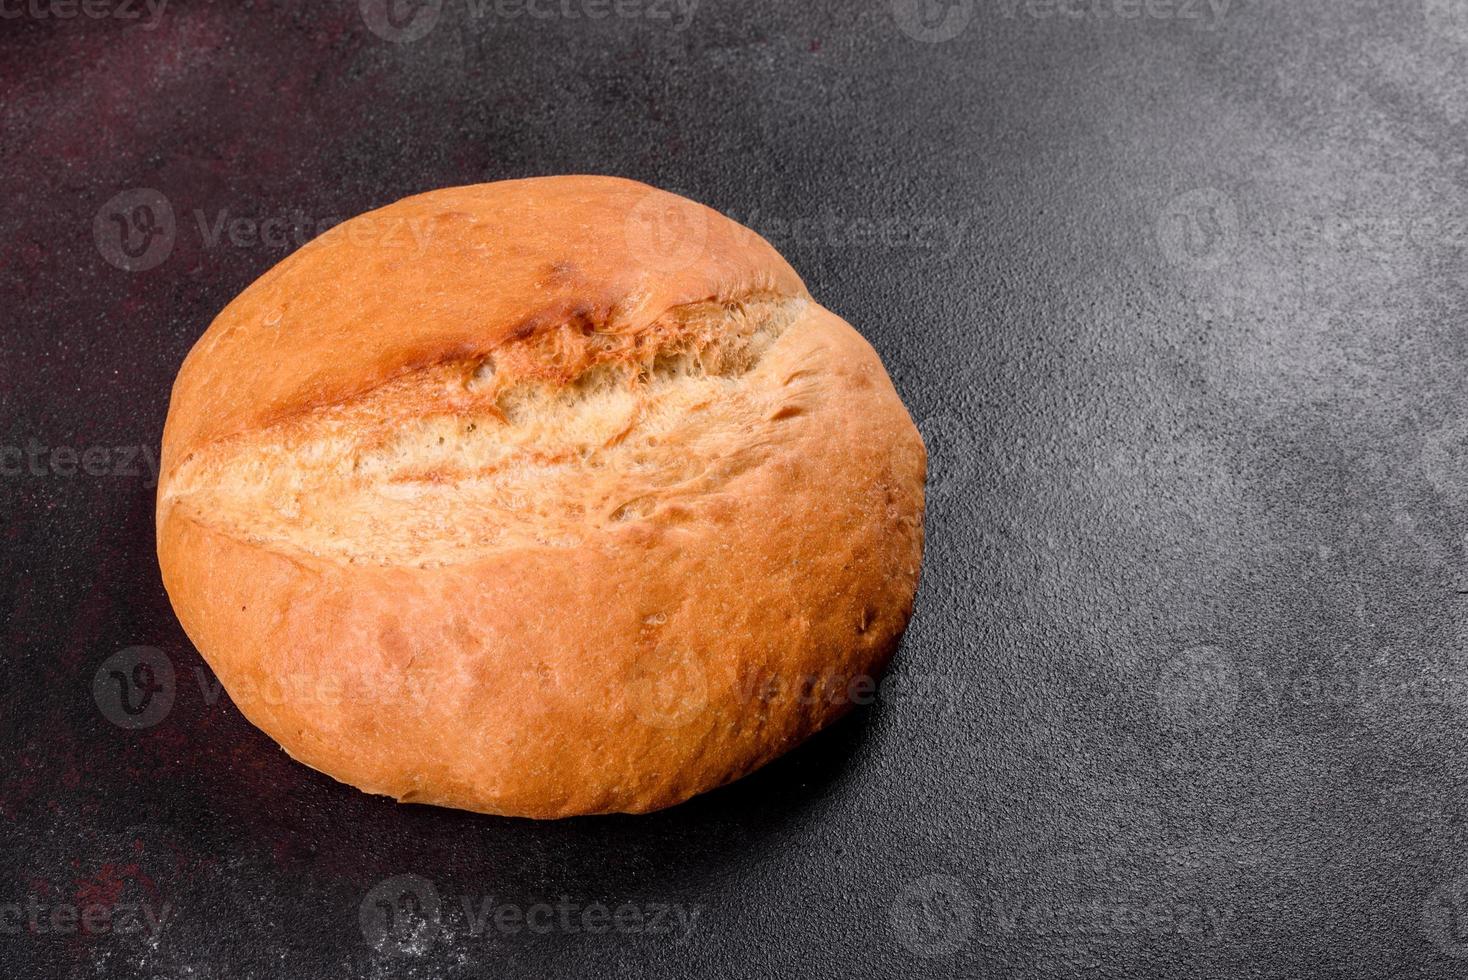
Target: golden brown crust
652	511
452	274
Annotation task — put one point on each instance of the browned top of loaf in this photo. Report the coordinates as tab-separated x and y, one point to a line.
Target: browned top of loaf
404	288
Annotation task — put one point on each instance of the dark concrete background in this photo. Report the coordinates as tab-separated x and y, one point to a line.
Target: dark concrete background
1178	300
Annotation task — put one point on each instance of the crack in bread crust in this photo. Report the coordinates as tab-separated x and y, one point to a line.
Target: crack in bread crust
552	436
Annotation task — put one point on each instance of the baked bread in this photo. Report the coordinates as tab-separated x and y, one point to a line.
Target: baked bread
544	497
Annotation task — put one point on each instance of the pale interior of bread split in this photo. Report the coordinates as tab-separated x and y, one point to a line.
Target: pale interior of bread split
539	443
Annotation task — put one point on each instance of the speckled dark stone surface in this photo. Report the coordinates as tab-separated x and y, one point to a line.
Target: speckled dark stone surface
1179	300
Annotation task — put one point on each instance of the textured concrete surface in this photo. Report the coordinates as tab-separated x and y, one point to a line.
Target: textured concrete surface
1179	299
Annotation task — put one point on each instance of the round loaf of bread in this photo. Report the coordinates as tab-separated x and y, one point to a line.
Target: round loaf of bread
544	497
